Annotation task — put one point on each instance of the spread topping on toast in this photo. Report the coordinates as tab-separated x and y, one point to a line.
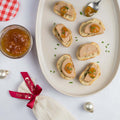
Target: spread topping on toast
63	10
93	28
63	32
68	68
91	73
88	50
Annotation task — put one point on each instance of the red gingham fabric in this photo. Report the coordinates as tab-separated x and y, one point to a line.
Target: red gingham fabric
8	9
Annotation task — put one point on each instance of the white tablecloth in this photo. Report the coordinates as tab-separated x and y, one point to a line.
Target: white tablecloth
106	102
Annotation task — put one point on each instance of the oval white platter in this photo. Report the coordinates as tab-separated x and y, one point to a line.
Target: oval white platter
46	44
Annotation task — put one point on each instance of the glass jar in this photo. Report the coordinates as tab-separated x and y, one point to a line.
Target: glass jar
15	41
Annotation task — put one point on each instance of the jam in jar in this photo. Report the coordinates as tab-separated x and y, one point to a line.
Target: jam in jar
15	41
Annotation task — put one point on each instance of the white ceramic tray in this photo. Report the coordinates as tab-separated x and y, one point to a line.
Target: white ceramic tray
46	42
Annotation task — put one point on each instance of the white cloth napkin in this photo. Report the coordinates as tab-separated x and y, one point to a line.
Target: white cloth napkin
46	108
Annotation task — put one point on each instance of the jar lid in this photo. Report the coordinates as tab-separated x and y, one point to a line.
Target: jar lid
8	9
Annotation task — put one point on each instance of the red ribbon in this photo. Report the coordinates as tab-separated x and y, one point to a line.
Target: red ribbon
35	90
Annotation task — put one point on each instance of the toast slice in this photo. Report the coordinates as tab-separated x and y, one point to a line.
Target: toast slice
87	77
88	51
60	63
57	34
68	11
92	21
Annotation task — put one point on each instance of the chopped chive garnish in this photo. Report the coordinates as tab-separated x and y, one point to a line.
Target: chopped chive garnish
90	71
105	50
92	30
108	44
93	27
105	46
98	62
54	23
81	13
55	48
70	82
66	7
77	40
102	42
52	71
75	37
55	55
108	51
70	68
63	32
58	44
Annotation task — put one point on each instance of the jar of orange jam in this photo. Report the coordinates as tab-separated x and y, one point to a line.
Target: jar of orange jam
15	41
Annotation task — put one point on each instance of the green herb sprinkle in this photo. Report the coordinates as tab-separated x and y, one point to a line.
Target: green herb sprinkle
66	7
54	24
81	13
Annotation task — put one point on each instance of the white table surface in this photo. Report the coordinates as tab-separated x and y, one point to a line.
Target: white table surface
106	102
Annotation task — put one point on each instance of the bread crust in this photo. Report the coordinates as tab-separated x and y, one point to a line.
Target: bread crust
91	56
67	17
59	66
81	77
60	39
81	31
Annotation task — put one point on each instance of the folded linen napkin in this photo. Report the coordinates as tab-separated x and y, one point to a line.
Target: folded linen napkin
46	108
